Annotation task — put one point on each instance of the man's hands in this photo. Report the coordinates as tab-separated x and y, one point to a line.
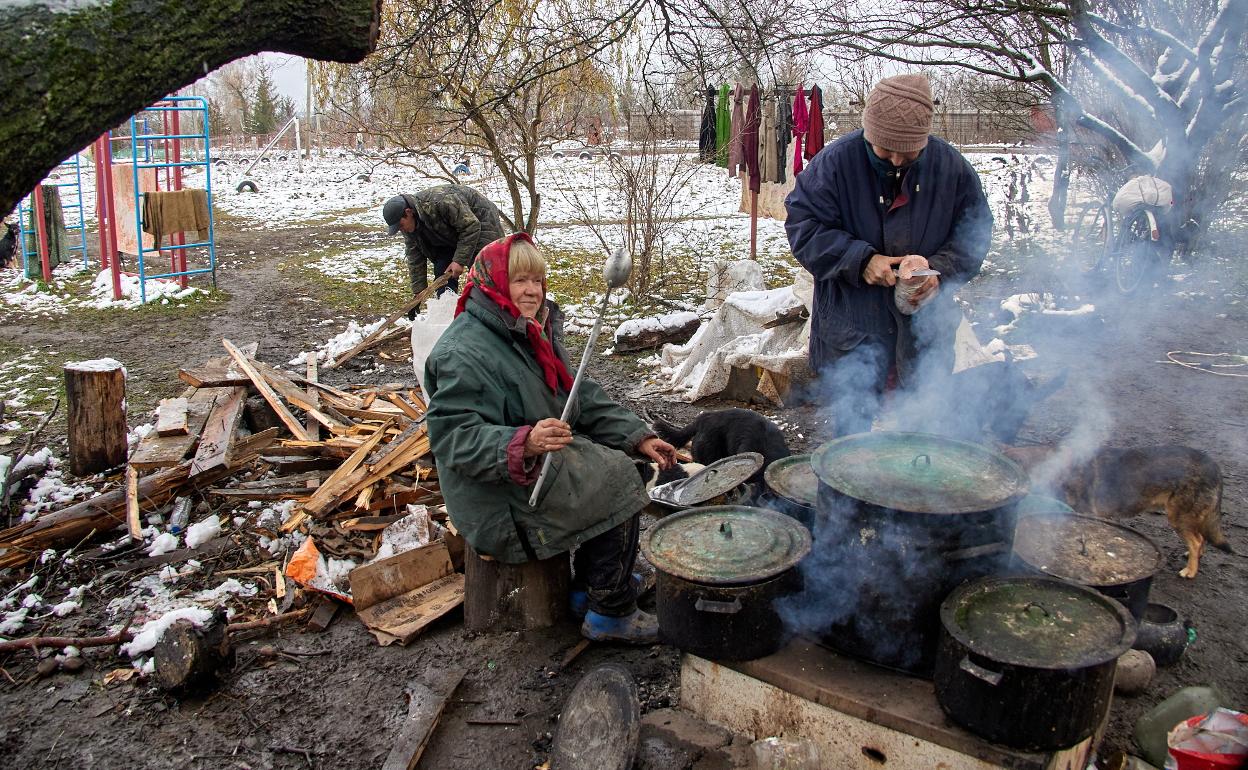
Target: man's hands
549	435
909	264
455	269
658	450
879	270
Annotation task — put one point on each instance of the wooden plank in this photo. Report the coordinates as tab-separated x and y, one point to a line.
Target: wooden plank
324	614
171	417
214	377
424	709
403	406
314	429
338	483
287	389
155	452
133	525
380	334
218	434
262	385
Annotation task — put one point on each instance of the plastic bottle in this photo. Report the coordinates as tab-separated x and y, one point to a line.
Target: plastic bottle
1152	728
180	516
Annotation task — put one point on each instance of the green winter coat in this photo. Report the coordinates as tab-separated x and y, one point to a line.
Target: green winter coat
723	125
484	383
453	223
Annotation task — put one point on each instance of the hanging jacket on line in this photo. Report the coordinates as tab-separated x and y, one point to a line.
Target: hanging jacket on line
800	118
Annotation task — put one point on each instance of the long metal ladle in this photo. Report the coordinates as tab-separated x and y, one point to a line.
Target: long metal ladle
616	270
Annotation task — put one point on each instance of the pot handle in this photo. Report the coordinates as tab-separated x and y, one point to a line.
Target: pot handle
979	672
926	457
723	608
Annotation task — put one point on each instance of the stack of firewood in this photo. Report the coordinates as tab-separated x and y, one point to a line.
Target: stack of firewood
351	458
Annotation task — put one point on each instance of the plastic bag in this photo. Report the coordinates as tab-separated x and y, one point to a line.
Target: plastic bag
427	329
1214	741
309	569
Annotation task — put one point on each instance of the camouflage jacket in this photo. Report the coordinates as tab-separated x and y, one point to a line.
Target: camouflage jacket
453	223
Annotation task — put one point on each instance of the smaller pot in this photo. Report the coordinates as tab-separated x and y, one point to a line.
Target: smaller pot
793	488
720	571
1162	634
1115	560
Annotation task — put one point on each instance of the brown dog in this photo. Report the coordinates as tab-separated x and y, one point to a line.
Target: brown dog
1183	482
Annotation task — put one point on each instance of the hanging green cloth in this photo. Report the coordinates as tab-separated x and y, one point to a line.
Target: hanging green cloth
723	125
54	222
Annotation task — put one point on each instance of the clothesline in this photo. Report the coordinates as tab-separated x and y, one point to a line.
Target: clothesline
747	133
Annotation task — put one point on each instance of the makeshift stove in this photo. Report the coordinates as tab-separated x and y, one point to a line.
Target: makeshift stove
857	714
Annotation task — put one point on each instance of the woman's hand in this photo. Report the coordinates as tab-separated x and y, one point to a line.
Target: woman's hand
549	435
658	450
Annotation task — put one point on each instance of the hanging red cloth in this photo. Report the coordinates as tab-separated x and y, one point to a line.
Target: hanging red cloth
749	140
799	126
814	131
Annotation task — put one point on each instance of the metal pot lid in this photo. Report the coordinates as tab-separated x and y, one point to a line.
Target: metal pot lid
1085	550
726	544
718	478
793	478
1038	622
919	472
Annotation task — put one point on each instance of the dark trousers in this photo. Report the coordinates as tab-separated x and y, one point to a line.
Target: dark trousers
440	264
604	564
854	384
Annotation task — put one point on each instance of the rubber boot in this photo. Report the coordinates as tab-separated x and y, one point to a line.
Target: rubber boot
578	598
637	628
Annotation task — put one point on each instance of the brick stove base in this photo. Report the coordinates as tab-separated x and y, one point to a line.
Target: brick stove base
860	716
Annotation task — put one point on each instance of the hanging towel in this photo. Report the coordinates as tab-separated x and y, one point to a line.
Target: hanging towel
814	131
723	127
799	127
736	158
749	139
166	213
707	131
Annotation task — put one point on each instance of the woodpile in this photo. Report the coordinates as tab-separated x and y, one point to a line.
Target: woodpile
350	458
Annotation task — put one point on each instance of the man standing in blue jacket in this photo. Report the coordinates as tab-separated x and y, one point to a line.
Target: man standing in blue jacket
868	201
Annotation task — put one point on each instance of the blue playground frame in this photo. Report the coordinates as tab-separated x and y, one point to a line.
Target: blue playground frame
25	207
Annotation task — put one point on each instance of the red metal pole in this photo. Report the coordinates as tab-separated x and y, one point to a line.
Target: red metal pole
179	238
753	225
113	253
100	148
41	233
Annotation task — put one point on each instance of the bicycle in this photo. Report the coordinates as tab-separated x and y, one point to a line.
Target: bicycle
1132	233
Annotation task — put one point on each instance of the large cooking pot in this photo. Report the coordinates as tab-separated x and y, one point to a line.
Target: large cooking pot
903	518
1115	560
792	488
720	571
1029	661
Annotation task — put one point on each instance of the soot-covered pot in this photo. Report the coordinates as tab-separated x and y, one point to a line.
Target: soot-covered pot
1029	661
903	518
720	571
793	488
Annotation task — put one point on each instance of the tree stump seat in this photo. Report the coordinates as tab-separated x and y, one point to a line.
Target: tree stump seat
514	597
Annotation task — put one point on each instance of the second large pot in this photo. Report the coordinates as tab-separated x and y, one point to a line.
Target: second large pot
1029	662
720	571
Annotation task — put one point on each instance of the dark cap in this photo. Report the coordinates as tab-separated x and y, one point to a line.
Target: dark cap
393	211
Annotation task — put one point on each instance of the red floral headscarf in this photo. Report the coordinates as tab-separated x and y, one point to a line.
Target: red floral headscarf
489	276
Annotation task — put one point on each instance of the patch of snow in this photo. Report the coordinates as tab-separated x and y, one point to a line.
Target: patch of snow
164	543
151	632
203	531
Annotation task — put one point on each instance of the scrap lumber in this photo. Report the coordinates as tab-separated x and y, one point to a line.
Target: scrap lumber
262	385
328	494
214	377
379	334
424	709
171	417
155	452
218	432
133	525
305	400
314	429
23	542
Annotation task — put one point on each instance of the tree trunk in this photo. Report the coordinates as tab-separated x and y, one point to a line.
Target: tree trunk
95	396
69	72
515	597
188	657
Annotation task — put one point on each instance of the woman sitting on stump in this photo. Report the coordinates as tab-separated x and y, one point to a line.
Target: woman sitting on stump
495	377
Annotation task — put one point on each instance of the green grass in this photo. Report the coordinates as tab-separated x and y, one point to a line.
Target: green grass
352	296
40	388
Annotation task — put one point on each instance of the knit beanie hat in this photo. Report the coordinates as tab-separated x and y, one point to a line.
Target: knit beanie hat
898	115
